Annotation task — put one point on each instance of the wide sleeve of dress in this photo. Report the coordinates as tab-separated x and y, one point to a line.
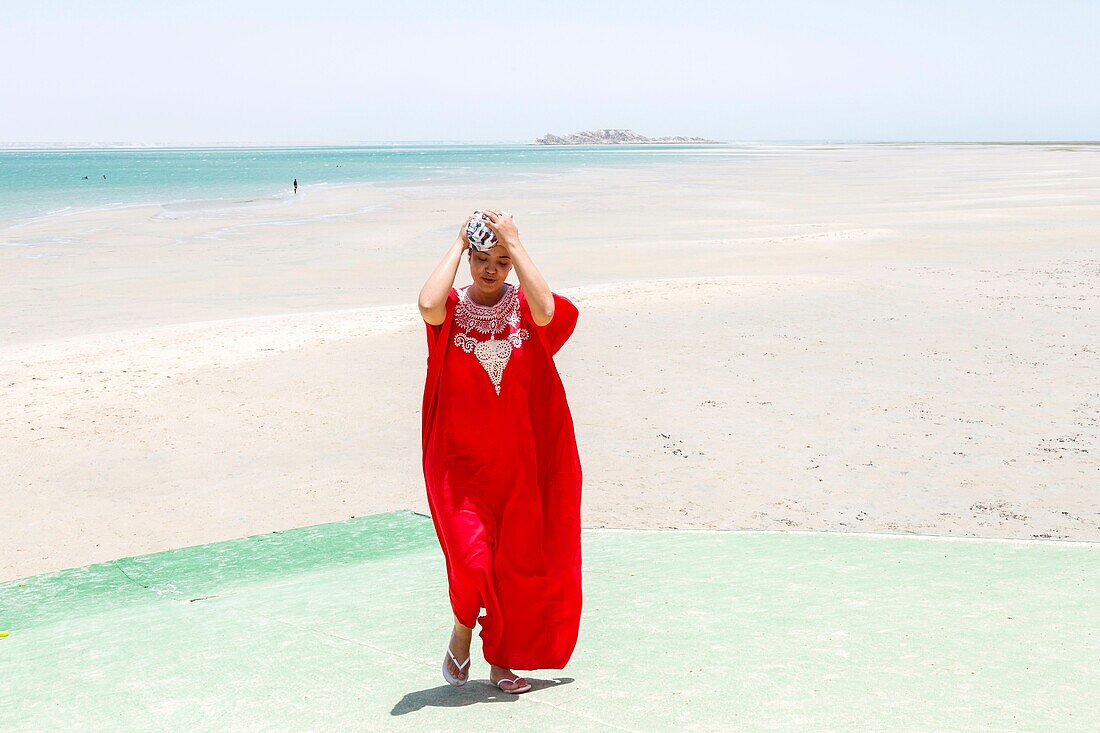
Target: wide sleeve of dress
561	326
437	349
435	331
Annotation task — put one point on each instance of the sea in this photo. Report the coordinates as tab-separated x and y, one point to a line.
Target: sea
45	182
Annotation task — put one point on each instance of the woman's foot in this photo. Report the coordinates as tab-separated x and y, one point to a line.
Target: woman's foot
460	647
515	683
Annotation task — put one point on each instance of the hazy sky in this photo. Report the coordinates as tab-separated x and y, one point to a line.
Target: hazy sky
316	71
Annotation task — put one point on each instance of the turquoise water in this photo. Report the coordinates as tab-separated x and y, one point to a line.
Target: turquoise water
39	182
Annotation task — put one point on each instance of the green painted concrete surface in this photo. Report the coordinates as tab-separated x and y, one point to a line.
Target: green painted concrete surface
342	626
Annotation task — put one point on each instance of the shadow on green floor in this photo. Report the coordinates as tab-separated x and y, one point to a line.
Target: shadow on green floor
343	625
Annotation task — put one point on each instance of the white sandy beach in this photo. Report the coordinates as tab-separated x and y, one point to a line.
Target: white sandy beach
853	338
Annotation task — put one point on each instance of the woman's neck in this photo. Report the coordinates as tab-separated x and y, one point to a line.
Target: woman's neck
477	296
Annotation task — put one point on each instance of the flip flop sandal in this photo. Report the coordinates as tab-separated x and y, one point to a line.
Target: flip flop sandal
525	688
451	679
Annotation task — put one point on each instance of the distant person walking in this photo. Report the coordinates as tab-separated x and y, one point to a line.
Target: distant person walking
295	185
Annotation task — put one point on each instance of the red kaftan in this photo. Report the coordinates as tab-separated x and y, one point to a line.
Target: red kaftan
504	483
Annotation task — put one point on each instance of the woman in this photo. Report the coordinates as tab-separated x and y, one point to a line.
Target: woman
500	459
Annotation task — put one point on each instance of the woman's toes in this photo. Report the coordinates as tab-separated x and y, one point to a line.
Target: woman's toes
459	673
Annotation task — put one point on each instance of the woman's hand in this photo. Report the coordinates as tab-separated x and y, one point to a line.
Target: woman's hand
461	238
504	227
538	293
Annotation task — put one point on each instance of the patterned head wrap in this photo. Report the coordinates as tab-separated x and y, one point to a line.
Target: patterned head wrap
480	236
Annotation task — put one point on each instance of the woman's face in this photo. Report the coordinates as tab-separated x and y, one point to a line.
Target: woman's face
489	269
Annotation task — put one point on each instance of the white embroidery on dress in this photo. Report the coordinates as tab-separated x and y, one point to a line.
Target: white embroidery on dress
464	342
517	336
493	354
488	319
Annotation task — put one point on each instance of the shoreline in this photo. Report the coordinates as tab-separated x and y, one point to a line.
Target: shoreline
219	204
281	195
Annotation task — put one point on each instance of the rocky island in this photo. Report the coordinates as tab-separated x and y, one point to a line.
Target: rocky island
613	137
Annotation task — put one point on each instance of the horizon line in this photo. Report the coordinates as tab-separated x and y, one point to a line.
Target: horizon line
123	145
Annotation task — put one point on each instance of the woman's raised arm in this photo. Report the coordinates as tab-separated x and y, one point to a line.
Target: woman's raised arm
433	296
537	292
